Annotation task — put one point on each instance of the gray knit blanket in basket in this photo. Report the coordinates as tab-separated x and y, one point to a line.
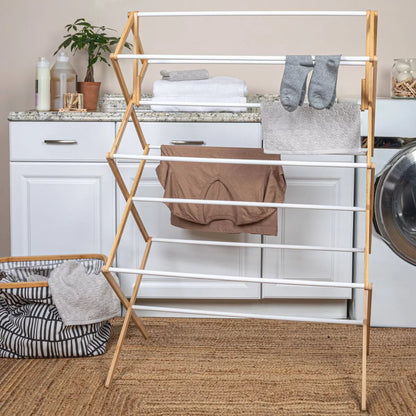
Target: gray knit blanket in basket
30	324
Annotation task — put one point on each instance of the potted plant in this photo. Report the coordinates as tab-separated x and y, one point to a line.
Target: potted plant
96	41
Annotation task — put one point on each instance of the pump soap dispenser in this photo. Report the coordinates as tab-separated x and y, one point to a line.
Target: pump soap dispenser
63	80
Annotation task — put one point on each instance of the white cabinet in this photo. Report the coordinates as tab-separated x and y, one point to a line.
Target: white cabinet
313	185
156	218
309	185
64	200
61	208
60	202
179	257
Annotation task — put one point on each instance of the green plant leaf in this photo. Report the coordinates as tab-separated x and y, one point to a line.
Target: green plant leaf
83	35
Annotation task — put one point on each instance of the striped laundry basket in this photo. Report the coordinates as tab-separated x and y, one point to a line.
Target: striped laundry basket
30	325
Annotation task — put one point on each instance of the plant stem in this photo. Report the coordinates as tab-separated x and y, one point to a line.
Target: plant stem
89	76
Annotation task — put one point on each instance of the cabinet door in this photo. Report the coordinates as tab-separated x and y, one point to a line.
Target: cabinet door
61	208
180	257
329	186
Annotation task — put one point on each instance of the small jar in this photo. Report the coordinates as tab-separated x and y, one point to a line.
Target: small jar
403	75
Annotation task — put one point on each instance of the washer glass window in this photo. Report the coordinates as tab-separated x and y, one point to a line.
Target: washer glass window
395	204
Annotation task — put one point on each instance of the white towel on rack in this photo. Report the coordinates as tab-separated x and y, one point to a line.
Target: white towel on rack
187	99
310	131
211	87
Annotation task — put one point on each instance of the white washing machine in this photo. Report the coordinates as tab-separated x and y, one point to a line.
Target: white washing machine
392	266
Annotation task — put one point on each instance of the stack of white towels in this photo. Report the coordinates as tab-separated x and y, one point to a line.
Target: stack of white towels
197	86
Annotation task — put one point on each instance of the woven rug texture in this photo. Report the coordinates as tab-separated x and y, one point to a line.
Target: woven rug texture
222	367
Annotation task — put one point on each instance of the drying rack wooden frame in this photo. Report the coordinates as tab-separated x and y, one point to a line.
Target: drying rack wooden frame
142	61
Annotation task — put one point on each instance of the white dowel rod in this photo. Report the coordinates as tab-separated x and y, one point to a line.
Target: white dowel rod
254	13
270	58
225	61
201	276
363	152
248	204
199	104
246	315
241	161
255	245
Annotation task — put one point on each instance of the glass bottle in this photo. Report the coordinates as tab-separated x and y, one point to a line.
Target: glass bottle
63	80
403	76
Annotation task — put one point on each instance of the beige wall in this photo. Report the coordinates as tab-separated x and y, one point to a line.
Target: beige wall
32	29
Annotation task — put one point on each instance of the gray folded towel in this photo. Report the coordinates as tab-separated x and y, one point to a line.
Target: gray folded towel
82	298
311	131
184	75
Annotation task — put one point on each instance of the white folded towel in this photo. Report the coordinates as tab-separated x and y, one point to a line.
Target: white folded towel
199	99
212	87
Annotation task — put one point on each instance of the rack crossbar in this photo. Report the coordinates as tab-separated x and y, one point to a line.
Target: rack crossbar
246	315
202	276
249	204
277	59
200	104
254	13
362	152
226	61
256	245
239	161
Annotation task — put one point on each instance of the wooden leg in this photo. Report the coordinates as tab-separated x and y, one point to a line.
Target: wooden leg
124	301
369	300
364	353
129	314
120	341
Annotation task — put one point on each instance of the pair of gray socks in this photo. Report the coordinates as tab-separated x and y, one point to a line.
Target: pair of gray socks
322	86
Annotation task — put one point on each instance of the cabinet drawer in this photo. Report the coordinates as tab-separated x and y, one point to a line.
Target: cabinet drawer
60	141
212	134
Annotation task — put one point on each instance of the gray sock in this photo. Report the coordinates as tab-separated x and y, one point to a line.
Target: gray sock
293	86
322	87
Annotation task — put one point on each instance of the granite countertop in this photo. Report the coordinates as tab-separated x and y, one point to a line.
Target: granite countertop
112	107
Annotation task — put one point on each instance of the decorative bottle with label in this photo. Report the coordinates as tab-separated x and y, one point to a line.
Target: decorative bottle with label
43	85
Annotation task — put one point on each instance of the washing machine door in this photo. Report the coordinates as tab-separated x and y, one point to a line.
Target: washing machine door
395	204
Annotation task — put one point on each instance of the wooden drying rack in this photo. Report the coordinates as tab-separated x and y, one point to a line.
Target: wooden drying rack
368	95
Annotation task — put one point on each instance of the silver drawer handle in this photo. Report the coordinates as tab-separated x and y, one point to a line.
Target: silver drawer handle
188	142
60	141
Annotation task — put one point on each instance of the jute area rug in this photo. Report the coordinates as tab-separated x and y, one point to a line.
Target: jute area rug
222	367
